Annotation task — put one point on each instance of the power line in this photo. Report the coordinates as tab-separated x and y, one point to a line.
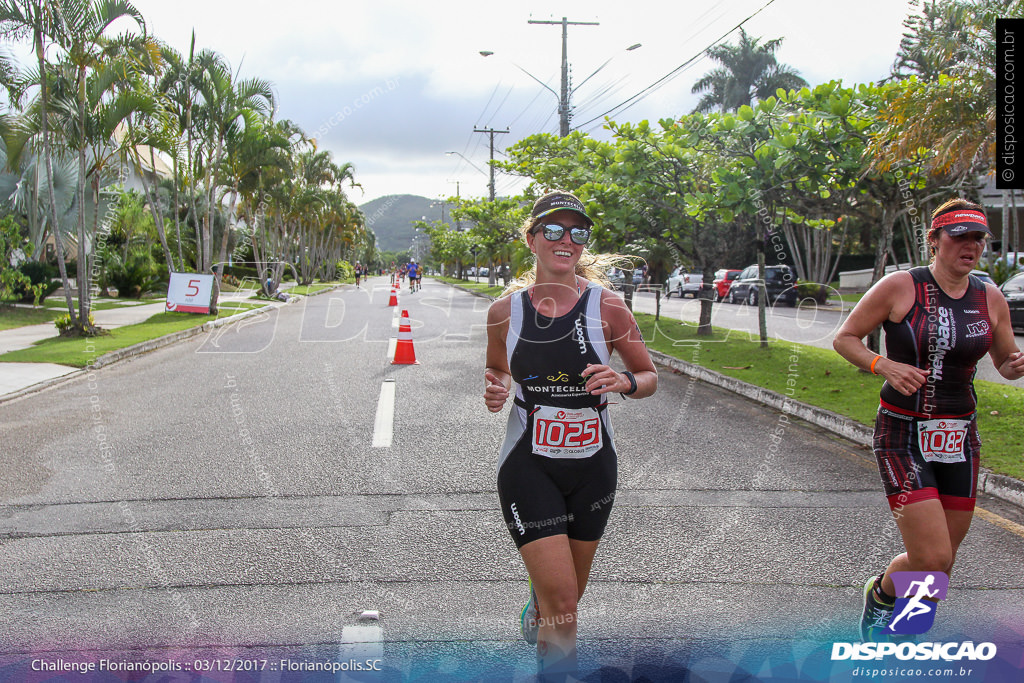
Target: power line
671	74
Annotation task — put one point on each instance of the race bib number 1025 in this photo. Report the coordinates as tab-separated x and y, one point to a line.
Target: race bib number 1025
566	433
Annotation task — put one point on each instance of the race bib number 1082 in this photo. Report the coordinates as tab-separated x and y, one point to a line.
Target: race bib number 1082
942	440
566	433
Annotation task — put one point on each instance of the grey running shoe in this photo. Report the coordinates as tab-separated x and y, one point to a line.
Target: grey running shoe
528	619
876	615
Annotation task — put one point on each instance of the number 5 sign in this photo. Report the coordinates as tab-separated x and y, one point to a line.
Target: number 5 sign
189	292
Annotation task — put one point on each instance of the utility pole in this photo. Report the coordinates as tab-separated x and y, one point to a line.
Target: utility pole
491	132
458	223
563	101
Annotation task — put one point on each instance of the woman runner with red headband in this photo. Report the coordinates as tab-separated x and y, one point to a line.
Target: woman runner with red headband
939	321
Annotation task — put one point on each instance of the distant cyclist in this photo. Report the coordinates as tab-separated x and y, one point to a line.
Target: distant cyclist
939	321
549	345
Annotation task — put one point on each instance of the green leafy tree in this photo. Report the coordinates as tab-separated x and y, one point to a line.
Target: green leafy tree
495	228
14	247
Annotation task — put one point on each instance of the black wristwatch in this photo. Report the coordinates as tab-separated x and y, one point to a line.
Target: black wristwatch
632	384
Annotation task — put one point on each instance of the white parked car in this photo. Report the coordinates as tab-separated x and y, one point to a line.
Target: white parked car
682	283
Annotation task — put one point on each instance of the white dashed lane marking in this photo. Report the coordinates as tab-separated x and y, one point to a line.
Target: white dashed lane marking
384	423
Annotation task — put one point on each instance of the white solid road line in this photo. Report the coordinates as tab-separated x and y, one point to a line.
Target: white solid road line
384	423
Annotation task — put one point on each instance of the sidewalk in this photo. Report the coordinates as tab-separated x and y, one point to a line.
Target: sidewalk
15	377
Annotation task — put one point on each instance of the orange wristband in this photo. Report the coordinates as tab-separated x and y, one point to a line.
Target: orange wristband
873	365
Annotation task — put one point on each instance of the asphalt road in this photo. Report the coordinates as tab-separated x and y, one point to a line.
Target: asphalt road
806	325
221	498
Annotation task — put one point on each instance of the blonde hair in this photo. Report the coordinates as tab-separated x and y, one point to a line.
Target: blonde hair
591	266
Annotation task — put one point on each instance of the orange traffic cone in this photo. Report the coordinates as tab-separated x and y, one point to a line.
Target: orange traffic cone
393	301
404	353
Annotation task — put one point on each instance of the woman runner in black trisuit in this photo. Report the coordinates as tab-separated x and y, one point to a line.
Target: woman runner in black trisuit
550	343
939	321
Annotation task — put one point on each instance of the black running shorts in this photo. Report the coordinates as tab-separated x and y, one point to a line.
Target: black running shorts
542	496
909	476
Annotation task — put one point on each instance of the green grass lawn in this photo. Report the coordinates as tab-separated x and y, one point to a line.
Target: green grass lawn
821	378
12	317
306	290
850	298
80	352
481	286
58	303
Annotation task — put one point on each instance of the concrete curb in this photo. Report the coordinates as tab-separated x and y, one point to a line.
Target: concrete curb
151	345
999	486
833	422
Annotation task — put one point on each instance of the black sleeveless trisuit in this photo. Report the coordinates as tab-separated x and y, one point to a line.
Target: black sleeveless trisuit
927	444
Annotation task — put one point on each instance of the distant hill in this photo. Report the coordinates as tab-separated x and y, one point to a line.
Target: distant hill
391	218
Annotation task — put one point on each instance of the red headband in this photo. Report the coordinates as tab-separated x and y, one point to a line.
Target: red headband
959	221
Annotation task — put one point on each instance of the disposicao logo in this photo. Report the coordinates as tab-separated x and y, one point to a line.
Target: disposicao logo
913	614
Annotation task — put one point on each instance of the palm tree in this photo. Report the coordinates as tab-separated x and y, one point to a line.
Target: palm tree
38	19
150	126
84	25
248	152
749	72
181	85
229	106
954	114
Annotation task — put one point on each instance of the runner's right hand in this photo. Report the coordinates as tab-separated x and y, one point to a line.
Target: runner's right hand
904	378
495	394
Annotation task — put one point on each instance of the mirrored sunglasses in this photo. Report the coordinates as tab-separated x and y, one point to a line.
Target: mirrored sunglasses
553	232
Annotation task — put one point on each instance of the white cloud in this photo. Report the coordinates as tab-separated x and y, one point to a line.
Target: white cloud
326	58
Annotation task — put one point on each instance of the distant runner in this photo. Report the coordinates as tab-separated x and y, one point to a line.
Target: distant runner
413	276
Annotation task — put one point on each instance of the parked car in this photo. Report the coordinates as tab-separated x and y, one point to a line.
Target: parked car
616	277
723	280
983	276
682	283
780	281
1013	290
1013	259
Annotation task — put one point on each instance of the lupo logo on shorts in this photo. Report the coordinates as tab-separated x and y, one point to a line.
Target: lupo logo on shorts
914	612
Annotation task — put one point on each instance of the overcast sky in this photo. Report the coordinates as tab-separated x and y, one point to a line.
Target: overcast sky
392	86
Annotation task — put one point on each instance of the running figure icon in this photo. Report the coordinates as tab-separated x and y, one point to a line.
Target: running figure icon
914	606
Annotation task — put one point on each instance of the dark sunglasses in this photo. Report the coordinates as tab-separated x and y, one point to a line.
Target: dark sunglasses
553	232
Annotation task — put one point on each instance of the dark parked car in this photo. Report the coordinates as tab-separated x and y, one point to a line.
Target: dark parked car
723	280
1013	290
780	281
